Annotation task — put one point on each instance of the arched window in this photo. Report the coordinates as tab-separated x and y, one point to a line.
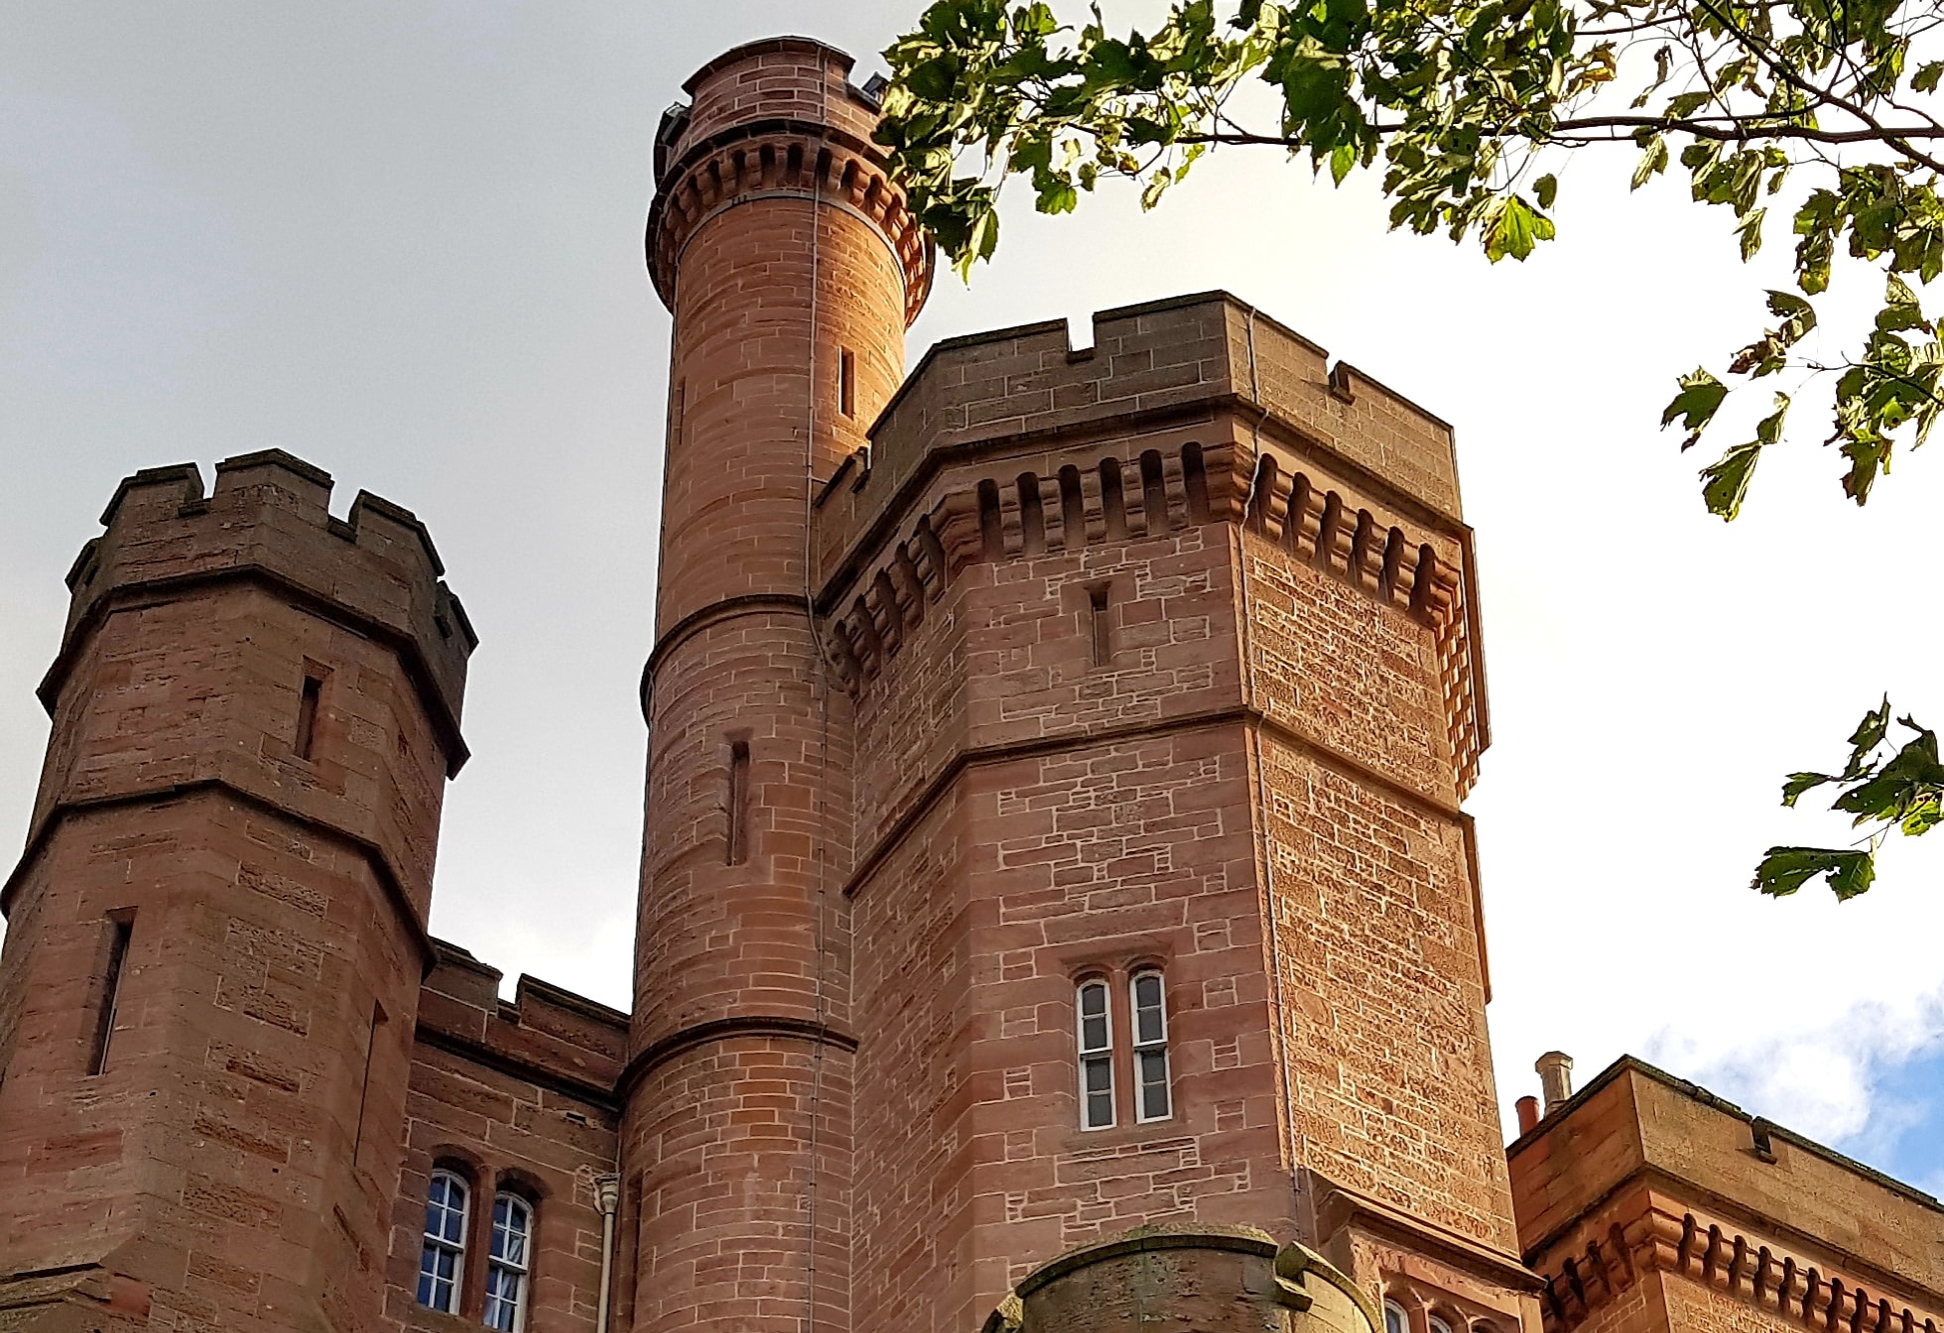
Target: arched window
1152	1098
1395	1320
506	1269
1439	1324
442	1263
1096	1055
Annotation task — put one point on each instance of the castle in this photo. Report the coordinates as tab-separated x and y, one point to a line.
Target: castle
1056	908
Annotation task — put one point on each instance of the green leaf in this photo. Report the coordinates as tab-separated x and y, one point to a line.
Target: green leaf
1342	158
1157	185
1797	315
1545	190
1868	735
1700	397
1750	229
1783	870
1798	783
1725	481
1925	79
1653	158
1512	228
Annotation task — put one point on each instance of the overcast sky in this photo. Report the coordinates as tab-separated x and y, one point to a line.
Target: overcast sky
403	241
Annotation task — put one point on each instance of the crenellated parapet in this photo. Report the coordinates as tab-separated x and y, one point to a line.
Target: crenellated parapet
268	520
1187	413
777	119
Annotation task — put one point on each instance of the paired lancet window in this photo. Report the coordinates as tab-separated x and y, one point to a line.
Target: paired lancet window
442	1262
1147	1010
506	1271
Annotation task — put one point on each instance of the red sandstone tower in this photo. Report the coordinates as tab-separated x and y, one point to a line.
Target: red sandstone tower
792	270
1056	908
216	934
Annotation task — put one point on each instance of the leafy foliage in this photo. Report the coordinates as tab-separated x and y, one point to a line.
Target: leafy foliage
1900	788
1455	102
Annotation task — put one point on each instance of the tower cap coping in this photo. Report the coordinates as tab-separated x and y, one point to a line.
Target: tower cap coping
1041	328
1694	1091
762	46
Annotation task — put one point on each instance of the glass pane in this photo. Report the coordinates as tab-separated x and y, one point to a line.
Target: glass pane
1093	998
509	1230
1147	990
1147	1026
425	1279
1394	1319
1154	1085
1100	1110
1093	1033
1099	1075
502	1298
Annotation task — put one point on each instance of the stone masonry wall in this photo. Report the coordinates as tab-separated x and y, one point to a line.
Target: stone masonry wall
518	1097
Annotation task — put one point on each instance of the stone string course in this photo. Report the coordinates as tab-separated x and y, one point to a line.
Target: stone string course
1040	666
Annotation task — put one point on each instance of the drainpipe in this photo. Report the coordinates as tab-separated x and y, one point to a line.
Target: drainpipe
607	1191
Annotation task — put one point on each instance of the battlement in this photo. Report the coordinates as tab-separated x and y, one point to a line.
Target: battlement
269	519
777	119
796	77
545	1033
1198	352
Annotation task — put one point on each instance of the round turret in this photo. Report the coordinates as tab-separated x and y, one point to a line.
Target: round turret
792	268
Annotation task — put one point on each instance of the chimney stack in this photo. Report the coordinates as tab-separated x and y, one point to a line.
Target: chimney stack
1528	1108
1555	1070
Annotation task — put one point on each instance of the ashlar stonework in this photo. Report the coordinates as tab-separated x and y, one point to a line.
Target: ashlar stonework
1057	911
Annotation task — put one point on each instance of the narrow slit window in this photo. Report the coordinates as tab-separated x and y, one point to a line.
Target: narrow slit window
120	928
506	1267
364	1093
1099	626
847	382
442	1261
1096	1033
738	850
1153	1100
307	714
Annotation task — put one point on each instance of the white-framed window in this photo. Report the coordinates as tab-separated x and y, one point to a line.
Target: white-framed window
506	1267
1439	1324
1395	1320
1153	1099
1096	1034
442	1263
